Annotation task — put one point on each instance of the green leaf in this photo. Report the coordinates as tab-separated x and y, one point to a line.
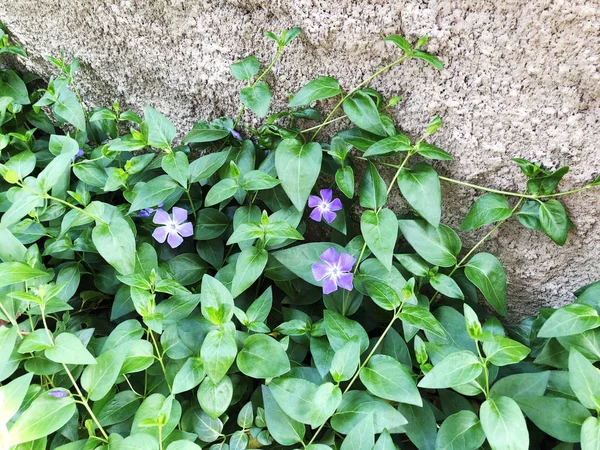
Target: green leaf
363	113
43	417
502	351
568	320
17	272
161	131
205	166
98	379
116	243
446	286
380	231
257	98
154	192
246	68
68	349
216	301
421	428
385	377
559	417
356	405
249	266
554	221
189	376
68	108
120	408
300	258
198	135
215	398
433	152
218	353
344	178
11	85
298	168
257	180
584	379
455	369
486	272
362	436
345	361
420	186
460	431
521	385
295	397
372	192
320	88
504	424
13	394
66	148
389	146
414	264
590	434
210	224
177	167
223	190
400	41
423	320
262	357
438	246
285	431
340	330
430	59
487	209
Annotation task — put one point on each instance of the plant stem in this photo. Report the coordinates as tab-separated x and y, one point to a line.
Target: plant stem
486	392
323	124
189	196
160	359
9	317
366	81
268	69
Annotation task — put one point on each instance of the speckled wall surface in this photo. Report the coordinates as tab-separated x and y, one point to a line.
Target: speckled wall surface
522	79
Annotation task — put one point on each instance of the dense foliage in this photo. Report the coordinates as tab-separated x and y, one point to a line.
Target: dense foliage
150	300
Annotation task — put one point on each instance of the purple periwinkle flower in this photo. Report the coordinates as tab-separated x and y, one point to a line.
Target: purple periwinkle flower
235	134
324	206
334	270
59	394
147	212
174	228
79	154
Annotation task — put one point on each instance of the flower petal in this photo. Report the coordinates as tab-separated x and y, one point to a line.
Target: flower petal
174	240
329	216
320	270
346	262
314	201
335	205
326	194
161	217
160	234
330	256
345	281
179	215
185	229
316	214
329	286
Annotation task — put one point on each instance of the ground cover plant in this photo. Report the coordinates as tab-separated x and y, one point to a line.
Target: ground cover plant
152	299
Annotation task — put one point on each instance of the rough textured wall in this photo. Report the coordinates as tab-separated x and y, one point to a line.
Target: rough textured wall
522	80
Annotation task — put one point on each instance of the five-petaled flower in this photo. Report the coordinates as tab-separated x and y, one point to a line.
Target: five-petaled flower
334	270
147	212
174	228
324	206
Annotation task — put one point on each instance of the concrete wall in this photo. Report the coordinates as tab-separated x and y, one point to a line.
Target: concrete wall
522	80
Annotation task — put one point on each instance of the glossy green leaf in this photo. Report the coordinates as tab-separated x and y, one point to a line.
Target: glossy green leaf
317	89
460	431
223	190
11	85
584	379
298	168
362	436
363	113
486	272
571	319
98	379
421	428
554	221
487	209
257	98
68	349
198	135
218	353
504	424
13	394
340	330
372	192
249	266
345	361
285	431
246	68
262	357
177	167
215	398
161	131
17	272
344	178
116	244
385	377
590	434
446	286
456	369
154	192
438	246
420	186
380	231
389	146
423	320
502	351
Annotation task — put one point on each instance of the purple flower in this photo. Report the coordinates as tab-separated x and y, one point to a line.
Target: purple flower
235	134
79	154
175	228
324	206
59	394
334	270
147	212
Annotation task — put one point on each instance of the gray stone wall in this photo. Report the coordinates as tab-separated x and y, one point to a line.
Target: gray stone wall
522	79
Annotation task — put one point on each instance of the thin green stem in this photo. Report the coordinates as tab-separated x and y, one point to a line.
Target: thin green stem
189	196
160	358
486	392
363	83
9	317
268	69
324	124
